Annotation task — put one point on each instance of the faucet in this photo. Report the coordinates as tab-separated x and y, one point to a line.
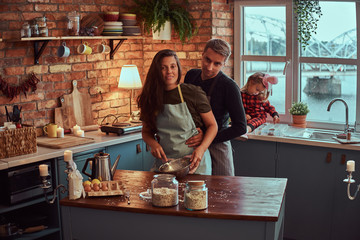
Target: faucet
347	129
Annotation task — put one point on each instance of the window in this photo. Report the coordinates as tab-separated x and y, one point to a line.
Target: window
265	41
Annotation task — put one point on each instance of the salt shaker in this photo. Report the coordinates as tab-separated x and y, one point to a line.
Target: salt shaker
196	195
164	190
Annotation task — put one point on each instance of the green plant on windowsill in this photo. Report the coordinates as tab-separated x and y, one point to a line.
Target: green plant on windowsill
299	108
154	14
307	14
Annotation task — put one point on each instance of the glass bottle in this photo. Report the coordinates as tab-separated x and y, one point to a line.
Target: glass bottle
196	195
34	30
73	23
26	31
164	190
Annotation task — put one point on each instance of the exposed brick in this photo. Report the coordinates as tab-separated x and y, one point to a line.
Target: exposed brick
82	66
47	104
37	69
14	70
60	68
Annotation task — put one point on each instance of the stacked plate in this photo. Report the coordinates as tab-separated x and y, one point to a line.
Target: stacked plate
130	28
112	29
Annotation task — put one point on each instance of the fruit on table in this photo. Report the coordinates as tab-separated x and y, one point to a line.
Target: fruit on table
97	181
86	183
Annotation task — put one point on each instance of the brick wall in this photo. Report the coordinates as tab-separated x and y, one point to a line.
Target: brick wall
95	73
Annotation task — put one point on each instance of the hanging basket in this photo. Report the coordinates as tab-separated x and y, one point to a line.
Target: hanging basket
163	34
299	121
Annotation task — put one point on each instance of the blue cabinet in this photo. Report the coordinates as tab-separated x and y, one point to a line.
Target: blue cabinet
148	158
254	158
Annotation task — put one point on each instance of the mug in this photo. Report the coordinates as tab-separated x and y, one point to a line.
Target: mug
103	48
63	51
84	48
50	130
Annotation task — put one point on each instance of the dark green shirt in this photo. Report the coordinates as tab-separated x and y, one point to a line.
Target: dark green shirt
195	99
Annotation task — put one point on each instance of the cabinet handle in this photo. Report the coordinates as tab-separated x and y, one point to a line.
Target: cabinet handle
343	159
328	157
138	148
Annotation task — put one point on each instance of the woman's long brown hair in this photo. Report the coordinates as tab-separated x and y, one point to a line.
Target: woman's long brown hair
150	100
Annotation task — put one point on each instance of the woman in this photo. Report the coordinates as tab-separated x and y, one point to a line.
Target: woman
172	112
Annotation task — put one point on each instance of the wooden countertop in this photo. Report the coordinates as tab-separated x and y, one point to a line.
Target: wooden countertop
240	198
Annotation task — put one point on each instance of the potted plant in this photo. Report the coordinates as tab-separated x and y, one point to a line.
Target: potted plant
299	111
156	13
307	14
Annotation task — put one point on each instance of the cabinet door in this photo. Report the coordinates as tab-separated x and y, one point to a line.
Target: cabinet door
346	216
309	192
131	155
148	158
254	158
79	159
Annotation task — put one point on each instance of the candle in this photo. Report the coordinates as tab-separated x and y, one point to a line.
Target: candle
75	129
80	133
60	132
43	169
350	166
68	156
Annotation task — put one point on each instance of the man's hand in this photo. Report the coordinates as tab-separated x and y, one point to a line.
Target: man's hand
195	140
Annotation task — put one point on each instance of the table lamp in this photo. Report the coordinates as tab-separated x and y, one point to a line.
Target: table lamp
130	79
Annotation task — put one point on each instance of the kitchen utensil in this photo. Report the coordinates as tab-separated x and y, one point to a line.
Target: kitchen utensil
178	167
65	117
63	51
101	167
127	195
65	142
84	48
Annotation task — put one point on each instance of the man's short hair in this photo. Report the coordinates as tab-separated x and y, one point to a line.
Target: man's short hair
219	46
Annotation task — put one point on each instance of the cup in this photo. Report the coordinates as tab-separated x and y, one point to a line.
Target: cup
103	48
84	49
63	51
50	130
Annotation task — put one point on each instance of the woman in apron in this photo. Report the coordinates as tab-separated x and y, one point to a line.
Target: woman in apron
172	112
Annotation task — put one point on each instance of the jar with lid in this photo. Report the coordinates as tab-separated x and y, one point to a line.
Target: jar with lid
164	190
196	195
26	31
34	30
43	31
41	21
73	25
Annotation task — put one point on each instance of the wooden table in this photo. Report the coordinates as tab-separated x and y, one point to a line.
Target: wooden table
244	207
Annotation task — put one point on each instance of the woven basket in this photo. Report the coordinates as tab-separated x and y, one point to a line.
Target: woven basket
15	142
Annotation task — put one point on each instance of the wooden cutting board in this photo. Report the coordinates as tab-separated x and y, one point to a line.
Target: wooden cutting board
65	142
65	117
80	104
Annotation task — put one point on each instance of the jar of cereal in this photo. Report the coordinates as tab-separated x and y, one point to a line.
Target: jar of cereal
196	195
164	190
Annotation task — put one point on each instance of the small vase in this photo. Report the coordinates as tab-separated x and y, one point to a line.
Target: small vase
299	121
164	33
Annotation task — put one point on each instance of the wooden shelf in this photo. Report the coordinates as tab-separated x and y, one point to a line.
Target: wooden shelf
38	50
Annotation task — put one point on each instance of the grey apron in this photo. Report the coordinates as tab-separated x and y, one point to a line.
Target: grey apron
175	125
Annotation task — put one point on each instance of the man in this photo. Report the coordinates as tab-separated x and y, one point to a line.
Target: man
225	100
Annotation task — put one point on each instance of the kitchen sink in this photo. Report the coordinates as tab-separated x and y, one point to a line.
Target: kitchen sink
322	135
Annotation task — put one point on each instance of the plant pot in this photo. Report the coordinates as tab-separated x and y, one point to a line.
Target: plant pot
163	34
299	121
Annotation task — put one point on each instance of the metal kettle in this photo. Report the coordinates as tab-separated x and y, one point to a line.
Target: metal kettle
101	167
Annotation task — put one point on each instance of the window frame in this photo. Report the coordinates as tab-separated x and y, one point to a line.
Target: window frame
292	76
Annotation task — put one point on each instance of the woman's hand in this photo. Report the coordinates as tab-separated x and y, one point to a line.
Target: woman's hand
276	119
196	140
195	160
158	152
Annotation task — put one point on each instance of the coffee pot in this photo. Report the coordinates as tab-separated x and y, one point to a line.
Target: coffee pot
101	167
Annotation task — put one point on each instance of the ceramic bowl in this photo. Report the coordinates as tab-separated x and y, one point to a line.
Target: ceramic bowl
127	16
131	30
111	16
179	167
128	22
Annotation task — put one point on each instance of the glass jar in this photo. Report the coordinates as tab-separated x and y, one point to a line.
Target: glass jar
34	30
73	25
26	31
164	190
196	195
43	31
41	21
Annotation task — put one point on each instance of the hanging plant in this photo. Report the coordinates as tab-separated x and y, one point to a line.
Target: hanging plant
307	14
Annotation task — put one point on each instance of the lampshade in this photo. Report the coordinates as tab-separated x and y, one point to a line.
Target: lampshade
129	77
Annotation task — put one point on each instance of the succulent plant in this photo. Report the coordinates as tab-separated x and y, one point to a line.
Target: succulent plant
299	108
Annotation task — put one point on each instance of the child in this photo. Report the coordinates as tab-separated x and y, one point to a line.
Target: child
254	95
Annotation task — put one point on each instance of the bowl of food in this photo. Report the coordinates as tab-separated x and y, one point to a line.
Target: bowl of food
179	167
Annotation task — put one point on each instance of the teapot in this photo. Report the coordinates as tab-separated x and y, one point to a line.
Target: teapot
100	165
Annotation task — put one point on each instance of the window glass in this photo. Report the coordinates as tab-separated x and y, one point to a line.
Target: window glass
277	99
336	33
265	31
321	83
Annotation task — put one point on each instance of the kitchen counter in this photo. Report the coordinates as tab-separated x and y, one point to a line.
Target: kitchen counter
43	153
252	208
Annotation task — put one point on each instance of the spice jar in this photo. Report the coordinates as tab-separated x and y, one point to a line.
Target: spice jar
26	31
41	21
164	190
34	30
43	31
73	25
196	195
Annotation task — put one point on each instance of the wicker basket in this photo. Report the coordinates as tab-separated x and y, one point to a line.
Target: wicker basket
15	142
